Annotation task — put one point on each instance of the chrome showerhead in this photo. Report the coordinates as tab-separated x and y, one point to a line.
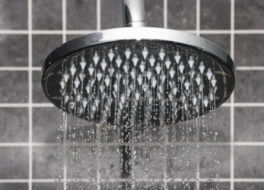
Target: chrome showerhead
138	75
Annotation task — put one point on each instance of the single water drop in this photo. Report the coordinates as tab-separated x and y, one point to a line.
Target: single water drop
127	53
96	58
111	55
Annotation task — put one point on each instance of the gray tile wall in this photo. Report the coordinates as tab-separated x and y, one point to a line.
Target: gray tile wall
30	29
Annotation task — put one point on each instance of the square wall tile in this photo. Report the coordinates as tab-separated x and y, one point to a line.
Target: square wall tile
222	124
47	14
81	14
249	50
110	162
47	163
14	163
248	162
42	46
149	163
182	161
182	14
249	86
115	186
14	86
249	124
14	125
212	185
248	14
215	15
222	40
47	186
249	186
154	13
111	14
14	186
14	14
46	122
81	162
179	185
38	94
215	161
13	50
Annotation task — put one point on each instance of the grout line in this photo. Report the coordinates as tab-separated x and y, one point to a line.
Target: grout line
54	180
44	144
198	9
98	14
59	32
30	120
98	145
250	68
232	119
165	172
165	13
65	119
14	68
198	33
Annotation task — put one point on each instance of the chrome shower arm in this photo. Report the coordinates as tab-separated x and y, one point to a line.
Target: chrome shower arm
134	13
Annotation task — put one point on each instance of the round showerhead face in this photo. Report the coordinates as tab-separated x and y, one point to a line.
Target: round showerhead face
134	76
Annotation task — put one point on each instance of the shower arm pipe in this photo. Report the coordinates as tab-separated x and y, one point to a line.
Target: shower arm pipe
134	13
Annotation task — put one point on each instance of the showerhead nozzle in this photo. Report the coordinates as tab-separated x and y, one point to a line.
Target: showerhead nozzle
138	75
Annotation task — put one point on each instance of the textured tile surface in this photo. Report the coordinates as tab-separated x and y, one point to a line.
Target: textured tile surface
148	186
115	186
211	185
14	87
46	186
13	14
249	186
13	50
249	124
38	94
247	12
215	14
43	45
83	165
181	161
148	163
46	122
14	186
154	13
81	14
182	14
110	163
178	185
13	163
112	16
248	161
45	163
82	185
249	86
249	50
47	14
14	125
215	161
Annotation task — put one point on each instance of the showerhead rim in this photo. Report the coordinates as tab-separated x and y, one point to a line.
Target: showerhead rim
139	33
